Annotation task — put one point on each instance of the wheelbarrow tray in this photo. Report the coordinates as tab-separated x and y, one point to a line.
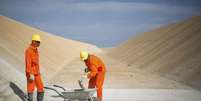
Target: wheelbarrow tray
79	94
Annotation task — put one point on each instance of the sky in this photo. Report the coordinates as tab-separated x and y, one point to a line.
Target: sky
105	23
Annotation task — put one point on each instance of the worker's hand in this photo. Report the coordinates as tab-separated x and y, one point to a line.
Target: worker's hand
84	76
31	77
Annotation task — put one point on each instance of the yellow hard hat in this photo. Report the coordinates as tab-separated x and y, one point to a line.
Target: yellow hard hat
36	37
84	55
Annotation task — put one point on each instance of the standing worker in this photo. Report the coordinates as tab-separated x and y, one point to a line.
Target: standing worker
33	70
96	72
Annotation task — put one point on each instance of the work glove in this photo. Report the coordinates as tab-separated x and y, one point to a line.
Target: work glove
31	77
84	76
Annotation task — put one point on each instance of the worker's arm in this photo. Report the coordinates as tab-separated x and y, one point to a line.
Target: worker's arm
93	71
28	62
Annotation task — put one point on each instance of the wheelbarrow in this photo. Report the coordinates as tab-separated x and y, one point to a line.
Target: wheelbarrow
82	94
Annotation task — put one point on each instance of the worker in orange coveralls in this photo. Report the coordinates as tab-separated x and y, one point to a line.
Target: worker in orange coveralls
33	70
96	72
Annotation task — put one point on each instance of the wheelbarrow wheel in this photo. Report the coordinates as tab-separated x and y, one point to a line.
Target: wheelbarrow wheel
92	99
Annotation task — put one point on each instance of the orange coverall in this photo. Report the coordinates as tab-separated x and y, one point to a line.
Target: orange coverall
32	67
97	74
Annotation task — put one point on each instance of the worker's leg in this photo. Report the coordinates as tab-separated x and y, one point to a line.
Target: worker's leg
30	88
39	83
99	85
99	93
40	87
92	82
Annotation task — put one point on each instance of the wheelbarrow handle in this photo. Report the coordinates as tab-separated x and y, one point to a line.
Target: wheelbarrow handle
55	91
59	87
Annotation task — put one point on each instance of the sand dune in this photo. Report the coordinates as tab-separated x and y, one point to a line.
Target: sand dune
156	59
55	52
15	38
172	51
60	63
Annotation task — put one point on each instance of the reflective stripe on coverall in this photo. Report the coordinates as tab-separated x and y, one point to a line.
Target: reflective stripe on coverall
32	67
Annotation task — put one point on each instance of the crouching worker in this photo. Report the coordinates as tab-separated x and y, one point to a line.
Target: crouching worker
33	70
96	72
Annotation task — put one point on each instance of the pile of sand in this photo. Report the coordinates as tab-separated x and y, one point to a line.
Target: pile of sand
55	53
172	51
152	60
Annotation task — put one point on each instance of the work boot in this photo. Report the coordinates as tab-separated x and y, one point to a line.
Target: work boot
30	96
40	96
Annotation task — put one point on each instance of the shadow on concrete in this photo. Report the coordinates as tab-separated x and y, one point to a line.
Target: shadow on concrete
18	91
